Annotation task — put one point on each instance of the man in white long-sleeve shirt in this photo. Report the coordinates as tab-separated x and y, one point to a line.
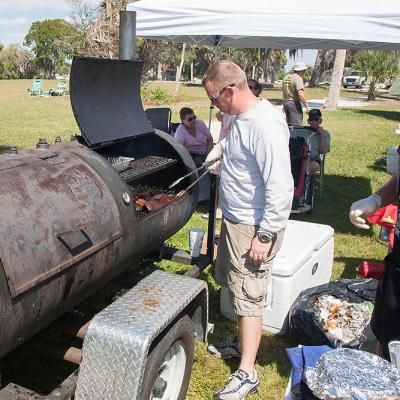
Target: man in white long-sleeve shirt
256	192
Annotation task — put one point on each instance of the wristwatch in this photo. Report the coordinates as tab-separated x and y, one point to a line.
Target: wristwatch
264	237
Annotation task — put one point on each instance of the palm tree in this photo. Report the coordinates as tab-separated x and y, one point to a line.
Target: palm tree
377	66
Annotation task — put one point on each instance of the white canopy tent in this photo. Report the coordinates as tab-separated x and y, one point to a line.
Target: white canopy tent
286	24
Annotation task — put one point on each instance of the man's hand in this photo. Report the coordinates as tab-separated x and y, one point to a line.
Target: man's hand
213	156
362	209
259	251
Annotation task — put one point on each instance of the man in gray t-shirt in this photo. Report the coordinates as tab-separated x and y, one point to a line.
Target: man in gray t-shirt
256	197
293	95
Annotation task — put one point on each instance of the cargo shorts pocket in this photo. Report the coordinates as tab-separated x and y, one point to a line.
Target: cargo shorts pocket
254	286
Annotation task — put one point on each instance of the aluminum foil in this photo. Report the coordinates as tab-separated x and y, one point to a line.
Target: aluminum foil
353	375
341	320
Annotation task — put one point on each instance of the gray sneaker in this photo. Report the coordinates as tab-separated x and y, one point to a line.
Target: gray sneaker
229	348
239	385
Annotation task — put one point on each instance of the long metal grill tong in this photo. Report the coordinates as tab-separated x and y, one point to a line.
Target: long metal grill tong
205	165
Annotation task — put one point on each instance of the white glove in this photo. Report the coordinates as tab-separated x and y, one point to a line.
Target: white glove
214	155
362	209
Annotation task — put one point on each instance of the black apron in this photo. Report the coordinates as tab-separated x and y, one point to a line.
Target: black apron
385	321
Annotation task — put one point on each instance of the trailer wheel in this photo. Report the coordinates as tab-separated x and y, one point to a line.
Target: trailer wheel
169	364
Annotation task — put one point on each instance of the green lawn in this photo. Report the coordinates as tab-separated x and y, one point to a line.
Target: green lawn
354	168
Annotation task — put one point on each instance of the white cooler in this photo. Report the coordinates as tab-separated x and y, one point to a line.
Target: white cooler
304	260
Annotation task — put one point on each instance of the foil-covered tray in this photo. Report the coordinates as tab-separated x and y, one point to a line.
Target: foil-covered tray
350	374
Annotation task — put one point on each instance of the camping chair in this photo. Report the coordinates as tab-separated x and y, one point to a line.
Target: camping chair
319	177
61	88
160	118
37	88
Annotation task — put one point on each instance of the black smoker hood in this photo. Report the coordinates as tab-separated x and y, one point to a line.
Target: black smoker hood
105	99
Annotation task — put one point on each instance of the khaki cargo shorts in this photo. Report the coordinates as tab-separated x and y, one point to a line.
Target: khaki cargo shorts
247	283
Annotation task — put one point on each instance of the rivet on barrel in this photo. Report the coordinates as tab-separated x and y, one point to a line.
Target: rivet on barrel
42	144
126	198
13	151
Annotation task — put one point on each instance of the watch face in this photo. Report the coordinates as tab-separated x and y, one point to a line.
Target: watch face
264	238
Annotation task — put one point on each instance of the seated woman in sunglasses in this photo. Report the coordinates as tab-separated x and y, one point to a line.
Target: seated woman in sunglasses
194	135
320	142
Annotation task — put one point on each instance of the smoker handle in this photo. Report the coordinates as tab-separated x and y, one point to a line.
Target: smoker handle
75	241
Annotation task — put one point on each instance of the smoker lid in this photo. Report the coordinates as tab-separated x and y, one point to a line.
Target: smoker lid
105	99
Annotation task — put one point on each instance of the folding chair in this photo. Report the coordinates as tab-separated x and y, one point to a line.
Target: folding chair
61	88
319	178
37	88
160	118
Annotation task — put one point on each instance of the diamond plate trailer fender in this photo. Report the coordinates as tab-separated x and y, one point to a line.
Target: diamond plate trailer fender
117	343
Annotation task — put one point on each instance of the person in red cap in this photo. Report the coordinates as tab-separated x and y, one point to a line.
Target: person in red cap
293	95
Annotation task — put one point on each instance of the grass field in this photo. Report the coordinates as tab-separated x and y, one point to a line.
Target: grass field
354	168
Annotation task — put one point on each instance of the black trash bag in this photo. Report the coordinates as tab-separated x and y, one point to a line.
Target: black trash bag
305	323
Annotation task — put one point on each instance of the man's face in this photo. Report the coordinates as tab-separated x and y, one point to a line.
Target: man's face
314	121
219	97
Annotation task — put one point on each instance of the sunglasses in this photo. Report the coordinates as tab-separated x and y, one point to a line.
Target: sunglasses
314	118
214	99
190	119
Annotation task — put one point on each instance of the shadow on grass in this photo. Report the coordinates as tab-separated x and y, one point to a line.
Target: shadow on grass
339	192
390	115
4	149
351	266
379	164
272	347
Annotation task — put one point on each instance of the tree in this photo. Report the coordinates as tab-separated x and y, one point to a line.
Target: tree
16	63
377	66
336	82
83	15
52	41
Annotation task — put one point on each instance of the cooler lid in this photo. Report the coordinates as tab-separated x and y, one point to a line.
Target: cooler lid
105	99
300	241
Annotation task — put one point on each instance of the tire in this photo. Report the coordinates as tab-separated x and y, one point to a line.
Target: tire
345	86
169	365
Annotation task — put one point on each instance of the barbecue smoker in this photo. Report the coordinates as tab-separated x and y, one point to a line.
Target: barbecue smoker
75	215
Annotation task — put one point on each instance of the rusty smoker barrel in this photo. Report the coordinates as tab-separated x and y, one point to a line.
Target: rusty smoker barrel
68	216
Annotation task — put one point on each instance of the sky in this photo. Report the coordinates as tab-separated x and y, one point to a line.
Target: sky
16	17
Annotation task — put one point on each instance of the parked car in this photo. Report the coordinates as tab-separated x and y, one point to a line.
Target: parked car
354	79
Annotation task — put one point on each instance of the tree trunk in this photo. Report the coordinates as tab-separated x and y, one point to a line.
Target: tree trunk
318	68
109	9
191	71
336	82
179	70
159	73
371	91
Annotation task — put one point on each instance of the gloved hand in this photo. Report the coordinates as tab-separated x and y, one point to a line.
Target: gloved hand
214	155
362	209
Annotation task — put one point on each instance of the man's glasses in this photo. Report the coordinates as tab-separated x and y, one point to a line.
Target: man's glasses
214	99
190	119
314	118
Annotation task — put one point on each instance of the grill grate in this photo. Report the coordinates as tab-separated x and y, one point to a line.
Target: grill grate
145	166
146	193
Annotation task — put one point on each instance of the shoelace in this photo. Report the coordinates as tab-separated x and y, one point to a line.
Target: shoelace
236	380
